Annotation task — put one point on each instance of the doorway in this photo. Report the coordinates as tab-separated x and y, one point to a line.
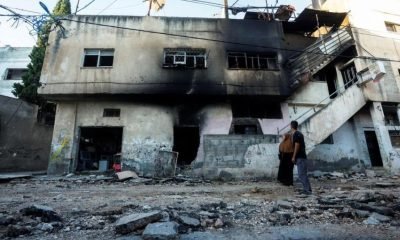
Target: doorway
373	149
186	143
97	147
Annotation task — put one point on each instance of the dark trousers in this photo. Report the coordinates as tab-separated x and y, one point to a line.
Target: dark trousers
302	171
285	172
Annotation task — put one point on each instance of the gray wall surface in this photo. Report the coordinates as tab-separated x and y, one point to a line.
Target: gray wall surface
24	143
138	57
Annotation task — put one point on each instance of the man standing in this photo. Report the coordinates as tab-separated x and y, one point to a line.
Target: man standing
299	157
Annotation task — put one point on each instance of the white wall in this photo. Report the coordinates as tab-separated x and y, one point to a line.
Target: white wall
11	57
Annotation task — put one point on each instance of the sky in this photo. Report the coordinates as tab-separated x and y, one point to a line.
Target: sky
23	36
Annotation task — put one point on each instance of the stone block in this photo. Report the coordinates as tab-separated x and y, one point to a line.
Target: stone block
161	231
136	221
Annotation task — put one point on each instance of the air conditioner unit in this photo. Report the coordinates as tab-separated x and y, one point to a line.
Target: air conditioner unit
373	72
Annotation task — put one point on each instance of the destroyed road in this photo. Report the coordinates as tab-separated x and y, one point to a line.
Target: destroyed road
96	207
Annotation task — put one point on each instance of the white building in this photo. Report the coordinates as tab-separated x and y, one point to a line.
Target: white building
13	64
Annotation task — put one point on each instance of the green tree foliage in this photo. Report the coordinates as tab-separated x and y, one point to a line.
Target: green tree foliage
27	90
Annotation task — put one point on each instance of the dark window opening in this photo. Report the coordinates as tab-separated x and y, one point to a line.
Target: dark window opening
186	143
245	60
328	140
98	58
245	129
390	114
349	74
245	126
111	112
190	58
395	138
373	149
329	76
99	148
15	73
46	114
254	109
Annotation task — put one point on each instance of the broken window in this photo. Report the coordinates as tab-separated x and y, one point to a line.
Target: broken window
390	113
246	60
111	112
395	138
392	27
185	58
349	74
98	58
15	73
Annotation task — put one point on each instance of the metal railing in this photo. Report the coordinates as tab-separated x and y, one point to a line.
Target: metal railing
338	92
316	54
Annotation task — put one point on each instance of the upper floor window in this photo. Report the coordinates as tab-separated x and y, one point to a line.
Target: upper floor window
111	112
15	73
98	58
392	27
245	60
185	58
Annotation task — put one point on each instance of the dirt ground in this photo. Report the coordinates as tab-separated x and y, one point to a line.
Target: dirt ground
340	207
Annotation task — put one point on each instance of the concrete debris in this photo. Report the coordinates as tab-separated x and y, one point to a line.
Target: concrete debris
98	208
189	221
385	184
6	177
284	204
370	173
47	214
376	219
136	221
161	231
124	175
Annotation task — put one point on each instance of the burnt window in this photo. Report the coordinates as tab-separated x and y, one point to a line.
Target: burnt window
98	58
15	73
349	74
395	138
111	112
390	113
192	58
256	109
252	61
392	27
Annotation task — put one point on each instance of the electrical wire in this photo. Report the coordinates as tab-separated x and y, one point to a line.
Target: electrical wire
109	5
211	4
87	5
225	42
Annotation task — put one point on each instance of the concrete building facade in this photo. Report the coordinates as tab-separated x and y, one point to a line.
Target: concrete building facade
219	92
13	64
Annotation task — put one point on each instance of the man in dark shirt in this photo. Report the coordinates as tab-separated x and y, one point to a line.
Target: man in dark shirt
299	157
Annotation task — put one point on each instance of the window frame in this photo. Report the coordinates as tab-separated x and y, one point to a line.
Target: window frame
100	52
7	72
264	61
111	112
195	53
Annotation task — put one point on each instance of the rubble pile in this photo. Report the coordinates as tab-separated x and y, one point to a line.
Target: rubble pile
373	201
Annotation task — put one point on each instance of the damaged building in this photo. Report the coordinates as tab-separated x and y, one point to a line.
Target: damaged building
214	95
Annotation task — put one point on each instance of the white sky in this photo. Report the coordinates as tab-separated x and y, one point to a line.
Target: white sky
20	36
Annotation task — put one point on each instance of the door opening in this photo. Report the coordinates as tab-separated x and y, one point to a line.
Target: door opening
373	149
186	143
97	147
